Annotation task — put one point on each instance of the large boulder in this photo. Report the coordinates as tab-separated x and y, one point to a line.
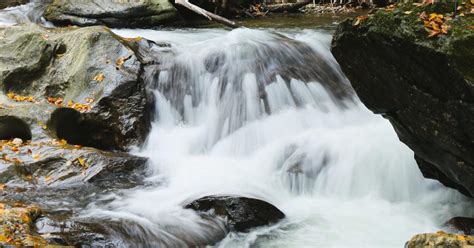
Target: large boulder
83	83
241	213
138	13
11	3
423	85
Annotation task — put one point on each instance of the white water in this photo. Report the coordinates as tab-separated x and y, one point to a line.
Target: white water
339	174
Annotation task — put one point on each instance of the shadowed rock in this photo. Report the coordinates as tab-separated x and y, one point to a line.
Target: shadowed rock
241	213
423	85
13	127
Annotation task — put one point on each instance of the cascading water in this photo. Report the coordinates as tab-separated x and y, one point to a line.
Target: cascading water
269	115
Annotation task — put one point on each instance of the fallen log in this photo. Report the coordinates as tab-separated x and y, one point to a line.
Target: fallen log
286	7
207	14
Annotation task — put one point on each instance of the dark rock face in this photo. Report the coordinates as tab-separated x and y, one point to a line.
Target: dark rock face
423	85
13	127
463	224
143	13
91	70
241	213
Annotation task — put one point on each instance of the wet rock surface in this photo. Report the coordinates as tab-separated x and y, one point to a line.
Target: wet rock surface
57	164
143	13
16	226
11	3
91	71
241	213
423	85
440	239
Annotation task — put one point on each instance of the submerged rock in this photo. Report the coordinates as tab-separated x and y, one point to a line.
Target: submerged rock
241	213
142	13
423	85
89	77
440	239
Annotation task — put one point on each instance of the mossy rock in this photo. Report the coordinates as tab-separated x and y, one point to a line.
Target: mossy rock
424	85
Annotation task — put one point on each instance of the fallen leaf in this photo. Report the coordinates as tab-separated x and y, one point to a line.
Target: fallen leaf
2	186
36	156
360	19
82	162
99	77
47	178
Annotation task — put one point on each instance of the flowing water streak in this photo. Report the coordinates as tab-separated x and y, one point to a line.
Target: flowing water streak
337	171
252	113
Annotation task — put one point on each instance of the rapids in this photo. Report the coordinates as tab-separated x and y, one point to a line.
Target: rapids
269	121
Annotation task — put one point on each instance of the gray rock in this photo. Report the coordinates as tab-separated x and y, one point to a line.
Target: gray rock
89	69
141	13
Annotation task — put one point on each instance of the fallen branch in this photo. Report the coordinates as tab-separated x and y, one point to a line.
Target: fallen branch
286	7
207	14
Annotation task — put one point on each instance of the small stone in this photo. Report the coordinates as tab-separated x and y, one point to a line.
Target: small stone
17	141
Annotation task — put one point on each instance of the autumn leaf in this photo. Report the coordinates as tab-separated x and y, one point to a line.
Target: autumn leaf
2	186
99	77
120	62
18	98
82	162
55	101
40	123
47	179
25	217
36	156
360	19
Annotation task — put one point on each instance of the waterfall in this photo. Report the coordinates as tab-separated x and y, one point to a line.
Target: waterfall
270	115
267	114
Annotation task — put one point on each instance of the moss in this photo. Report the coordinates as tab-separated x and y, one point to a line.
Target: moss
404	22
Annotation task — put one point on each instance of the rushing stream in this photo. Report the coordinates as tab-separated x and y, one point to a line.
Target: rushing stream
254	113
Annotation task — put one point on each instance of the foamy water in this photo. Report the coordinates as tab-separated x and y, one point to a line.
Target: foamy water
230	120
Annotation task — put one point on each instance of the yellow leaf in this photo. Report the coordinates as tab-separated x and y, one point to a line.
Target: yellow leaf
36	156
2	186
25	217
62	142
120	62
82	162
47	178
99	77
